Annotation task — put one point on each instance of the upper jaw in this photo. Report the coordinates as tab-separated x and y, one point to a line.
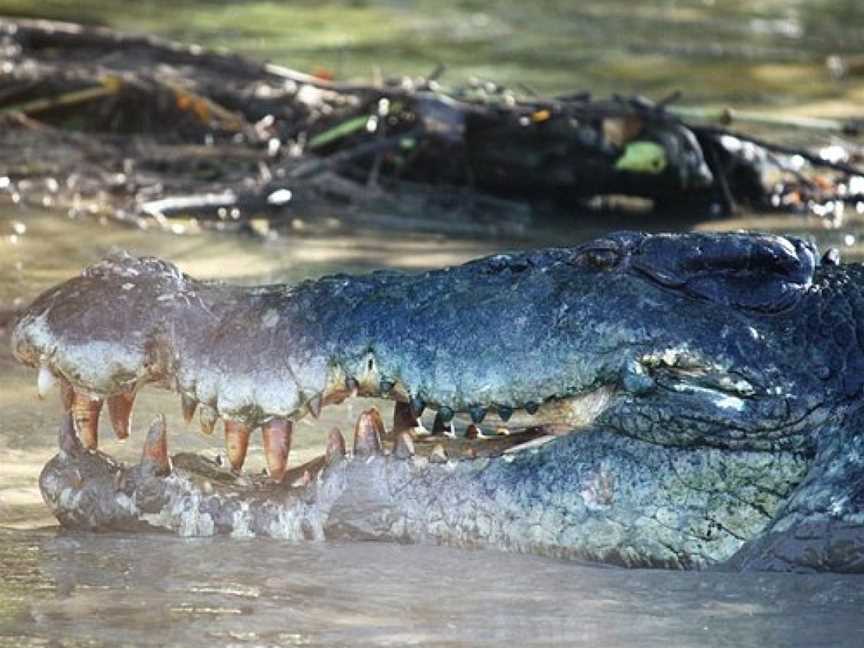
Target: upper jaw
107	374
226	352
115	369
168	330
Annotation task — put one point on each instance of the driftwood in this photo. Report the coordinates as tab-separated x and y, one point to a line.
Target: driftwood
144	130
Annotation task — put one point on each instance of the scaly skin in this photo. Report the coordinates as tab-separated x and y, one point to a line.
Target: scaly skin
712	382
593	495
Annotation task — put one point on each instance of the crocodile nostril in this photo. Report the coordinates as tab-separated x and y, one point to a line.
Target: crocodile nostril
603	259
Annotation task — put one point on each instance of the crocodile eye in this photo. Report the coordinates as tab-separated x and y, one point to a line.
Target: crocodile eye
603	259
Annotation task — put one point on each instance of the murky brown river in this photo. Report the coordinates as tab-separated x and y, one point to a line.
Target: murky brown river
62	589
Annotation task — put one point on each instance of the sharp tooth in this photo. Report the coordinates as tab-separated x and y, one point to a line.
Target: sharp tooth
438	454
533	443
208	417
367	434
120	480
188	405
154	456
417	407
403	418
44	381
236	442
314	406
86	412
276	435
120	412
302	481
491	435
335	446
403	448
67	394
67	438
478	413
400	392
440	427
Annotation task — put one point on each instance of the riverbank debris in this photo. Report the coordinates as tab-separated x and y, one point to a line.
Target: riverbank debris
154	133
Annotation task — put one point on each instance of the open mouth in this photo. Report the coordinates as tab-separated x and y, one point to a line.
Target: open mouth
440	435
414	430
630	401
258	358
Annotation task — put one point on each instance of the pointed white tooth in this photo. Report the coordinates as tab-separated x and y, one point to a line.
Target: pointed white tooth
533	443
45	381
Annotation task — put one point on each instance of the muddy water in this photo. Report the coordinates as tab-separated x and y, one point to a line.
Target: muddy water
64	589
77	590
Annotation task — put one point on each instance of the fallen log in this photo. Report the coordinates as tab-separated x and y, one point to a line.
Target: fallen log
145	130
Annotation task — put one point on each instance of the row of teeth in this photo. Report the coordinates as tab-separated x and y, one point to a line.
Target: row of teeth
276	432
155	460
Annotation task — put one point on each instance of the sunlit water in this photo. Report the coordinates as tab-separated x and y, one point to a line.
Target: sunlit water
84	590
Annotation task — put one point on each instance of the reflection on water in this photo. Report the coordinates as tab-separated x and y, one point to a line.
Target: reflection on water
770	52
39	249
85	590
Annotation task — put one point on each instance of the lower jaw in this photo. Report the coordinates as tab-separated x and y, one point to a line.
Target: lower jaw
592	495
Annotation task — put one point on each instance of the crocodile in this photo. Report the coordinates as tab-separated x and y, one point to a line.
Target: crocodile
686	400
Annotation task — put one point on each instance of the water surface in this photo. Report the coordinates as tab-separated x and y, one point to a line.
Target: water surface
84	590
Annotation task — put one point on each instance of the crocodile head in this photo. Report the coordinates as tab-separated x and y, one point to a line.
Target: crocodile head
673	391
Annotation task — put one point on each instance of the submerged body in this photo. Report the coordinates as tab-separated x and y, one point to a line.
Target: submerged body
695	395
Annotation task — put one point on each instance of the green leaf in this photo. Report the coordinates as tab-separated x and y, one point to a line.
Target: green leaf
339	131
642	157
